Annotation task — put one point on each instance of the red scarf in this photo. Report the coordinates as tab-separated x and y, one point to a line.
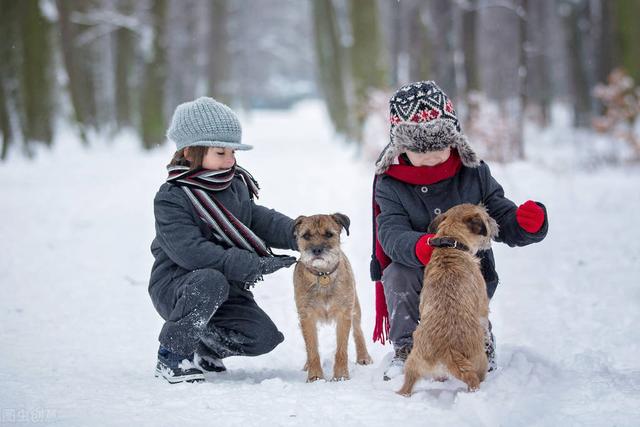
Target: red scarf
414	175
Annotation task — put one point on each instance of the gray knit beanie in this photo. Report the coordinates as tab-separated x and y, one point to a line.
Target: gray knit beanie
206	122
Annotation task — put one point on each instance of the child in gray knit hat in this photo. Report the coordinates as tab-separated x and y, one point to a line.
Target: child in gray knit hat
213	242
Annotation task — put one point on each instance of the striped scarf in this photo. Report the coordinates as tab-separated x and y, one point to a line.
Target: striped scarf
200	185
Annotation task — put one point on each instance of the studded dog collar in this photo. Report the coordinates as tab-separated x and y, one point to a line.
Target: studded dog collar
446	242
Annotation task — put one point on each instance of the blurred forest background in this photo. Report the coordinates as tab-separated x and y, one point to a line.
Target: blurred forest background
103	66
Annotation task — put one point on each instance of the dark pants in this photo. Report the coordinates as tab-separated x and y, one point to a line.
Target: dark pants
207	314
402	286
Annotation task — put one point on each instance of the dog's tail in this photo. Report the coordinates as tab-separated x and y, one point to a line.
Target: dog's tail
461	367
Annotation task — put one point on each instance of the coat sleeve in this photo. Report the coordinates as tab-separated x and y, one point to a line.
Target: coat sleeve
180	237
396	236
275	228
503	211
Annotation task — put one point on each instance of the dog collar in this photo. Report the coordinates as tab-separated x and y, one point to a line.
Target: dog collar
323	276
446	242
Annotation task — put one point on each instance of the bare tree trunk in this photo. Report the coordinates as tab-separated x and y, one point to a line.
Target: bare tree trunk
124	67
180	33
502	66
418	49
330	67
36	74
539	87
627	36
577	48
5	127
523	71
440	27
153	116
396	42
219	59
460	77
469	24
76	61
367	66
9	88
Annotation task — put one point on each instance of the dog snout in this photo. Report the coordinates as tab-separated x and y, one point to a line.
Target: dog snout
317	250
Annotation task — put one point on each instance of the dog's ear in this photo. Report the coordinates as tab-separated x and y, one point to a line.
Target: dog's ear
297	223
433	227
476	225
342	220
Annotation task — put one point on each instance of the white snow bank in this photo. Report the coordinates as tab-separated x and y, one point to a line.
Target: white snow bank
79	333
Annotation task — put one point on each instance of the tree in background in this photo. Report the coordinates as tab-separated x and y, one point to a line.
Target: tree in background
9	72
367	65
126	63
26	76
500	37
578	48
627	35
76	59
153	123
125	68
330	58
218	54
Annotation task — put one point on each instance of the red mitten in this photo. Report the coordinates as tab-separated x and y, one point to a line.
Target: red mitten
423	250
530	216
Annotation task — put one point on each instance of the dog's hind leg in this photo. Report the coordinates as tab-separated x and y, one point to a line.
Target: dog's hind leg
481	364
412	373
362	355
462	368
340	367
310	335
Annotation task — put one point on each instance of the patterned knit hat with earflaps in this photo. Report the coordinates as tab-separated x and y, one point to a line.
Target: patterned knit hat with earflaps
423	119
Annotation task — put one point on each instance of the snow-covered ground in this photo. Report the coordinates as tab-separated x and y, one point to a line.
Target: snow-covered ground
78	331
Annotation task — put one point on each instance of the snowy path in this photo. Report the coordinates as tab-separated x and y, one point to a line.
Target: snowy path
78	331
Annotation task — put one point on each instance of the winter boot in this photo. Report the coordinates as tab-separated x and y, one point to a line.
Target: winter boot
176	368
490	349
396	367
209	364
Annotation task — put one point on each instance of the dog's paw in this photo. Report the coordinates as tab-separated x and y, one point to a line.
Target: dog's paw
314	378
314	373
367	360
403	393
473	386
340	373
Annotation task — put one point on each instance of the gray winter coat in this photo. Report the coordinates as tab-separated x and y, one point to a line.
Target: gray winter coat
184	243
406	211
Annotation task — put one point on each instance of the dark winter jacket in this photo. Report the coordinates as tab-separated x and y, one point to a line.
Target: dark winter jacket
406	211
185	243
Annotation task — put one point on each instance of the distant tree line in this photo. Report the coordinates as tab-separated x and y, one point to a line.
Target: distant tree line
107	65
520	56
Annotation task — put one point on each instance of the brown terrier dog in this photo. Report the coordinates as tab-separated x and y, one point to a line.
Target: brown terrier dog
325	291
454	306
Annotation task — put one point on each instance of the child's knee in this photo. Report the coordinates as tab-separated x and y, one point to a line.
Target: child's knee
399	277
209	285
265	340
269	342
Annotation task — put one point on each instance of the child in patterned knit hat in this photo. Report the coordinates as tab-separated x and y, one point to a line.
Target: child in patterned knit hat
427	168
212	244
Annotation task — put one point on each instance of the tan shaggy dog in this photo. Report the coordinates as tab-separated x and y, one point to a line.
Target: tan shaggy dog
325	291
454	306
